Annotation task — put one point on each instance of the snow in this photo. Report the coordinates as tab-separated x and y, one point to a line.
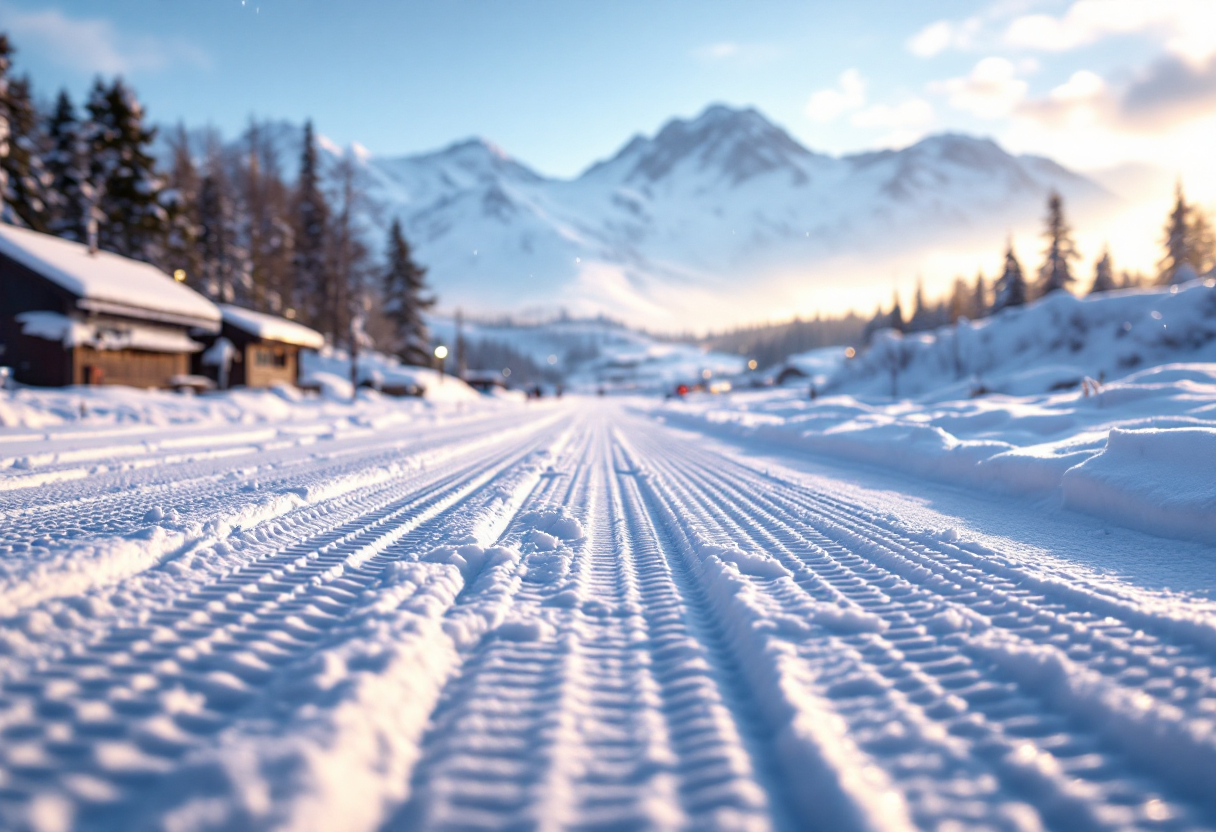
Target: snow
330	369
114	335
658	234
106	282
1136	451
594	353
271	327
275	610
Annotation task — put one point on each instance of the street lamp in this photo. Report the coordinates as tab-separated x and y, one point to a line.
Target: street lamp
441	352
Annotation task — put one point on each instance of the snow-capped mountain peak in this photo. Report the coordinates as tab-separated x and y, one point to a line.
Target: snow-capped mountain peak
733	144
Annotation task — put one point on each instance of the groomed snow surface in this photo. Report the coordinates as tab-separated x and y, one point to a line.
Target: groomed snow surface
246	612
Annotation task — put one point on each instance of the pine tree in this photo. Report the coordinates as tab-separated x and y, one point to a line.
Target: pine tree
1202	245
1056	273
5	116
922	313
960	300
896	319
1011	285
1177	239
70	189
405	300
311	218
979	301
26	181
1104	275
182	248
133	222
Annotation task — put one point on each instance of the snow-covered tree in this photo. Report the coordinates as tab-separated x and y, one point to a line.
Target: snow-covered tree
1104	275
405	299
70	194
311	219
25	180
1011	285
1056	271
133	222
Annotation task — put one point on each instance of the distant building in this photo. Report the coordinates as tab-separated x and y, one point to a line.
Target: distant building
253	349
71	316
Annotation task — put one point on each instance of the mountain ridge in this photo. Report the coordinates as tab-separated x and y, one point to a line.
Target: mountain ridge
712	219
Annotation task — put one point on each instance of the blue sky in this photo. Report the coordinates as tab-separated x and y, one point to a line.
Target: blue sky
561	84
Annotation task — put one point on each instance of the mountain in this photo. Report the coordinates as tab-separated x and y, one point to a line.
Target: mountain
713	220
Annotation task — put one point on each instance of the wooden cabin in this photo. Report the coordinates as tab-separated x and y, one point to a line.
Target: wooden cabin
69	315
253	349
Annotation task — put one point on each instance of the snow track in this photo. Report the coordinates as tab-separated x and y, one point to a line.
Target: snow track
565	618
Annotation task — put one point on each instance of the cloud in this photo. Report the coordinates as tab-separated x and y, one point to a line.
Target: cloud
942	35
717	51
905	122
1188	27
1171	90
828	105
744	53
93	45
992	90
1167	93
913	112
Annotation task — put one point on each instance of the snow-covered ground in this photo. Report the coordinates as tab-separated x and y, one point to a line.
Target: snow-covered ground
592	353
247	612
1037	401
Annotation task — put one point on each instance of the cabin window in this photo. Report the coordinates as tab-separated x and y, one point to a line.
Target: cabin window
269	357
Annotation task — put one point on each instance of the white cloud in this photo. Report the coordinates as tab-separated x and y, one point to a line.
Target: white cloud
905	122
992	90
93	45
1188	27
828	105
717	51
913	112
942	35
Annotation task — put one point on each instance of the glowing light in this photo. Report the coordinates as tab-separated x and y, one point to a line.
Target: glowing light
850	353
441	352
179	275
751	365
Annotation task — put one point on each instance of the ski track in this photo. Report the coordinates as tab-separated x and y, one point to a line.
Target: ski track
560	618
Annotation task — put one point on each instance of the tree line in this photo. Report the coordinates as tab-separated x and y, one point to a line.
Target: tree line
1189	251
225	218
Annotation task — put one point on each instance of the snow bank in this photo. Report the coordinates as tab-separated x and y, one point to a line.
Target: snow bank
1140	452
329	369
1159	480
1051	344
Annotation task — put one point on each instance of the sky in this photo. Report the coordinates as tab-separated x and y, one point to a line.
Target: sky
1122	89
558	85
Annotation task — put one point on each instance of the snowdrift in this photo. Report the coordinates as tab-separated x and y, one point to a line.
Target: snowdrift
1139	451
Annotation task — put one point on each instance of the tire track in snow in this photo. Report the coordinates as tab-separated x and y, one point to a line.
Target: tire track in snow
132	707
1039	747
207	520
605	711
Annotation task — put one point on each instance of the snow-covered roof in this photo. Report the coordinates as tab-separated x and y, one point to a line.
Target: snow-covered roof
107	282
272	328
103	336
